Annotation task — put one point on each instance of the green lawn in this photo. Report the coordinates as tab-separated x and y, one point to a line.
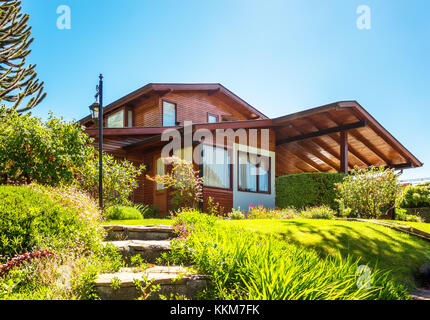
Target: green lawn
140	222
393	250
423	226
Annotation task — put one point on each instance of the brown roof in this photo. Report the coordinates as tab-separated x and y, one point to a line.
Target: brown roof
171	87
309	139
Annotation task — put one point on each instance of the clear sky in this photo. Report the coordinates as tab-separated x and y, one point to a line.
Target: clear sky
280	56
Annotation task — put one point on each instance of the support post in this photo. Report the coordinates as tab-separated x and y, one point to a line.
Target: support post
100	93
344	152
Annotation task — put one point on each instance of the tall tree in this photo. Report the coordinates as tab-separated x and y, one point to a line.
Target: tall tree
17	79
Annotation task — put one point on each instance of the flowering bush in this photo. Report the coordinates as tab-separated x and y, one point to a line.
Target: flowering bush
184	180
320	212
260	212
236	214
369	193
17	261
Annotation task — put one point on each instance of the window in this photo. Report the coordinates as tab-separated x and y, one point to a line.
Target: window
115	120
216	167
253	173
212	118
130	118
169	114
160	171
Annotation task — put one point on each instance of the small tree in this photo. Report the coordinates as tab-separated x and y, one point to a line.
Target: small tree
17	79
184	181
369	193
119	179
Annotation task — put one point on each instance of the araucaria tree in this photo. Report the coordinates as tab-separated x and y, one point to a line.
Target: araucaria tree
17	79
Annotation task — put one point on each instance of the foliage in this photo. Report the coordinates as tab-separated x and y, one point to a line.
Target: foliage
148	211
184	181
414	196
30	219
260	212
17	79
122	213
307	189
214	208
236	214
46	152
321	212
403	216
369	193
17	261
242	264
119	179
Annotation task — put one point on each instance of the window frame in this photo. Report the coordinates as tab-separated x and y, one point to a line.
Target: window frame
212	115
162	112
112	114
230	168
269	174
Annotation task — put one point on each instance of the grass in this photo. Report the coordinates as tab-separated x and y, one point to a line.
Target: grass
392	250
423	226
141	222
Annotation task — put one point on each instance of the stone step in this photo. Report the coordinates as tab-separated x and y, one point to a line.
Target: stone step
149	250
174	280
137	232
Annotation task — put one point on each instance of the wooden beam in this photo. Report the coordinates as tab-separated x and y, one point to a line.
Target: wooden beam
324	132
93	132
319	155
358	136
351	150
344	152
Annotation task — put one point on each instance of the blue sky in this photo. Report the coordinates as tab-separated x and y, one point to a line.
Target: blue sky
280	56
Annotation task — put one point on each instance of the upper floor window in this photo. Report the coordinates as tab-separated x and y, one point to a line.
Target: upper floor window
253	173
130	118
212	118
169	114
115	120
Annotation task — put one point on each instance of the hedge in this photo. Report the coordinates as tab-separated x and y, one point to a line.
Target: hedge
307	189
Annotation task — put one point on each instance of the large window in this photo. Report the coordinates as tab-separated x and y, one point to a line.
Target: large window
169	114
216	167
253	173
115	120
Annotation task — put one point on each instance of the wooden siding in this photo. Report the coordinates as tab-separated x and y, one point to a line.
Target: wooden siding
223	196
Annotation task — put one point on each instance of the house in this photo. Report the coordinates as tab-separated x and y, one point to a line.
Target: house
330	138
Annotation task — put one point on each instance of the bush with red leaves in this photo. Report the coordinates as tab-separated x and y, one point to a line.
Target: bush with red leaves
17	261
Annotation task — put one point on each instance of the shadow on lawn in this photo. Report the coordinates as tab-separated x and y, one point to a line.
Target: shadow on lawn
389	249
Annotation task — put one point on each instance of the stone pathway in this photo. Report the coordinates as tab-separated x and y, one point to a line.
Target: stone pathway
421	294
149	242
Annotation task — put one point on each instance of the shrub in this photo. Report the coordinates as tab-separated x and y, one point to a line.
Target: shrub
321	212
123	213
401	215
148	211
369	193
236	214
414	197
184	180
307	189
31	219
119	179
242	264
260	212
47	152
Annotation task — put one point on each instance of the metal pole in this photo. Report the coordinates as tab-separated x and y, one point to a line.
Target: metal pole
101	142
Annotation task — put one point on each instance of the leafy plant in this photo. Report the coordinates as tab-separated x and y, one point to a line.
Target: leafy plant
369	193
414	196
214	208
184	181
123	213
148	211
403	216
236	214
321	212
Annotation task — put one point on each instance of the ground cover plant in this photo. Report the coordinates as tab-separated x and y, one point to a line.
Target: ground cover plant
123	213
242	264
64	221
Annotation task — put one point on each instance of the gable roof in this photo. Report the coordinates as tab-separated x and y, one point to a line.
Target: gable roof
164	88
